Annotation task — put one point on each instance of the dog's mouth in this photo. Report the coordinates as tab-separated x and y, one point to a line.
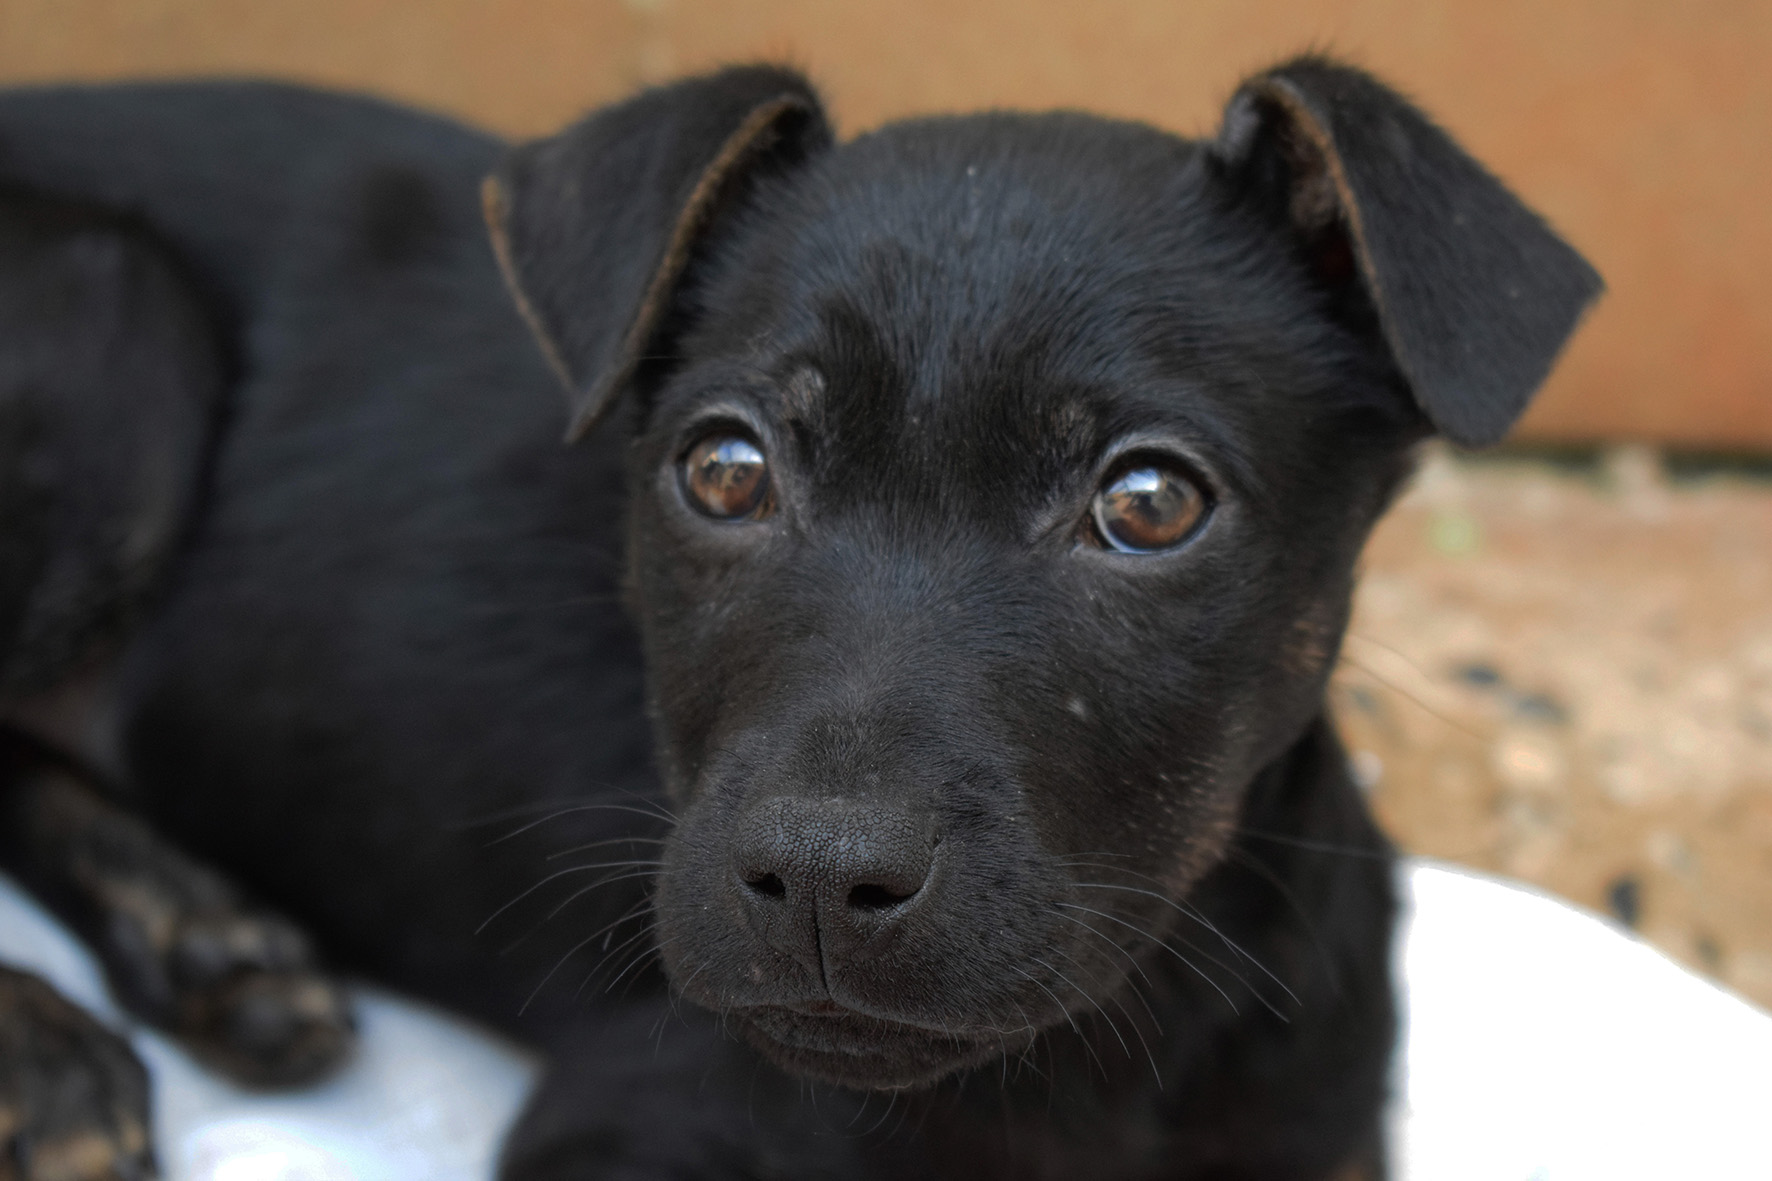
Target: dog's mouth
836	1045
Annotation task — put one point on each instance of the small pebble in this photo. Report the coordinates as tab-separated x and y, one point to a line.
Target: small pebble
1541	707
1624	898
1529	760
1455	534
1478	676
1667	850
1368	769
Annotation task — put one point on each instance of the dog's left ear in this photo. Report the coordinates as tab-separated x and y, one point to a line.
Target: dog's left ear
595	226
1475	295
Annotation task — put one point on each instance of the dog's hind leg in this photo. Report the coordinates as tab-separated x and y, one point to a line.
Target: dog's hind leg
110	379
110	383
106	386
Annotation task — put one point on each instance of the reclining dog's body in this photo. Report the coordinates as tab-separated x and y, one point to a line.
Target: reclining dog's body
991	490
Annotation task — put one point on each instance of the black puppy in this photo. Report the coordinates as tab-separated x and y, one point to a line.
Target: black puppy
991	490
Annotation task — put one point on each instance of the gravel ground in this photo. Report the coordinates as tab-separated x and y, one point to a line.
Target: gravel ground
1560	668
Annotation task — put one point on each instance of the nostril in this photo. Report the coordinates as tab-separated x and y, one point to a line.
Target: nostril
768	885
871	896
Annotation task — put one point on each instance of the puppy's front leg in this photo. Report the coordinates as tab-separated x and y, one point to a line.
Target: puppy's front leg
654	1090
182	948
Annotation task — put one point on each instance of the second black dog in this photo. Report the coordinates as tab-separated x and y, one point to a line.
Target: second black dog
991	490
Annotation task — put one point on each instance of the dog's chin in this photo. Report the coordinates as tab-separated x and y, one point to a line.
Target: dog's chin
862	1053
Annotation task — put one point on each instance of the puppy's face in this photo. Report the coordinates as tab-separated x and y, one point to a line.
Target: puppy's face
997	528
995	497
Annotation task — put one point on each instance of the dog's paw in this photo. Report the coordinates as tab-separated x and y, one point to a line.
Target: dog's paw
183	947
245	994
73	1095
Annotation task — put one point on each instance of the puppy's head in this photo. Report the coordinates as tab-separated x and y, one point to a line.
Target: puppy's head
997	484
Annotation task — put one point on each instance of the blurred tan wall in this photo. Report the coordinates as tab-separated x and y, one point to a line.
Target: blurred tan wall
1643	129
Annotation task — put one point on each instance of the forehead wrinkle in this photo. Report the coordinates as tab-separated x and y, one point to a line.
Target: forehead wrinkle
800	392
995	395
937	271
969	375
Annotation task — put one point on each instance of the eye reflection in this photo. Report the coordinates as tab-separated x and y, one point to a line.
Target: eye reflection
727	477
1147	507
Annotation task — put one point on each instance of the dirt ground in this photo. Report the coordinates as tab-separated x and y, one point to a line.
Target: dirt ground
1560	669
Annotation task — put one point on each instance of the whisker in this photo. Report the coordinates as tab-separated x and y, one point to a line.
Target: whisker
627	914
655	812
617	950
1068	1016
1099	1008
1129	872
558	873
866	1098
1130	959
1224	967
1195	968
1101	853
1069	983
601	882
610	955
1255	864
1314	846
1187	911
632	840
1133	960
558	964
534	806
674	994
891	1103
655	952
904	1113
1113	995
653	956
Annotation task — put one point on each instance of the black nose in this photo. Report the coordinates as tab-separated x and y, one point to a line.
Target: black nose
825	880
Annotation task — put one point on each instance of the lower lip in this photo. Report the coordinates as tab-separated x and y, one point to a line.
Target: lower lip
832	1030
859	1051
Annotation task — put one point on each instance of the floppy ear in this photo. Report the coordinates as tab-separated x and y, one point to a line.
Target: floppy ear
593	227
1475	295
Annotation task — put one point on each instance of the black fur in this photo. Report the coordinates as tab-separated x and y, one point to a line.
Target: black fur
1001	852
110	378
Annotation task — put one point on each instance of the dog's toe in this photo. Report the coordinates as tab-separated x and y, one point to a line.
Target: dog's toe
73	1095
253	1004
273	1029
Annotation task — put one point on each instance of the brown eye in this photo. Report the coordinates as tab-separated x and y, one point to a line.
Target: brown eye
726	476
1146	507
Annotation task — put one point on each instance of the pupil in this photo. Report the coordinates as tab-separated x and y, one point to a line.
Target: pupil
727	476
1140	492
1147	508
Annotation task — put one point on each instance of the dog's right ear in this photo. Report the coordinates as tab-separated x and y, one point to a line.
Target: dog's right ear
1475	295
594	227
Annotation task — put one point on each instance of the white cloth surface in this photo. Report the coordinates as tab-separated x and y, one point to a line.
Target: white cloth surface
1546	1044
1541	1044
